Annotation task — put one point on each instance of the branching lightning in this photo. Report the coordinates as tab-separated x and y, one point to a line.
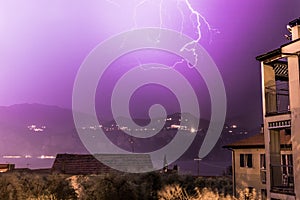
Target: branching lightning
181	5
198	23
191	45
200	17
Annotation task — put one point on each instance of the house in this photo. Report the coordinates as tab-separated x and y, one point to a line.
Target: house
89	164
280	72
249	163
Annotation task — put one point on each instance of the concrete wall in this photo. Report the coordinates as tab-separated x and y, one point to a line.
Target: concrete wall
293	63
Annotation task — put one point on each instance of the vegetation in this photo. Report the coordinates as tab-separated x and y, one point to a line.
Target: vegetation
150	186
175	192
32	186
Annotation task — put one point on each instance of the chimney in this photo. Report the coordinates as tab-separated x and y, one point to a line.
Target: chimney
295	28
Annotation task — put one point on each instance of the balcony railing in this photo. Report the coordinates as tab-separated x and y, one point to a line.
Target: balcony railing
282	179
277	99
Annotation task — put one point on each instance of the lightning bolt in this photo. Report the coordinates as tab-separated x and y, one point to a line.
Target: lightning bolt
190	47
199	18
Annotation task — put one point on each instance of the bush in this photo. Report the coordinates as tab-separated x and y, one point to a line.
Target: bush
175	192
33	186
59	187
108	187
218	184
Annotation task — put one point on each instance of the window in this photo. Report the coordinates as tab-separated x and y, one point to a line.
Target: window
287	164
262	161
287	169
263	171
246	160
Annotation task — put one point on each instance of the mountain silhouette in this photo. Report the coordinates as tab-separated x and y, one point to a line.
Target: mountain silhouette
35	129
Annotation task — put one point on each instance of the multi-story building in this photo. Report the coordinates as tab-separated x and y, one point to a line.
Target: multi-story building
249	164
280	71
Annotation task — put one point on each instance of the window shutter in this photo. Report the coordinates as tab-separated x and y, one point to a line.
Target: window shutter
242	160
249	160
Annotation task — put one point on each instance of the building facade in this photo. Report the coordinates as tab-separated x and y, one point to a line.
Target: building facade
281	113
249	163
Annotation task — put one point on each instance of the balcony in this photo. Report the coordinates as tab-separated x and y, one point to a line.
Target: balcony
282	179
277	99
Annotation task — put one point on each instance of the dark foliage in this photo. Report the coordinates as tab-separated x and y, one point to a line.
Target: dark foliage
103	187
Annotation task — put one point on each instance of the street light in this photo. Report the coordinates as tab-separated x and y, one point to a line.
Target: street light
198	169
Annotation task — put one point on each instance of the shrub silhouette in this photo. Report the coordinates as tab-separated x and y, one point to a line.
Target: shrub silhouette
149	186
33	186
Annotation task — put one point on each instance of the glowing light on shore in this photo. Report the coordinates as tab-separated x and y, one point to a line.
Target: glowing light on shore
193	130
234	126
12	157
46	157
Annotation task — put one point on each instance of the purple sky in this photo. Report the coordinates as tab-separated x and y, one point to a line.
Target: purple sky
43	43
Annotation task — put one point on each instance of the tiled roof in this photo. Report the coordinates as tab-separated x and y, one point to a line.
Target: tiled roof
89	164
257	141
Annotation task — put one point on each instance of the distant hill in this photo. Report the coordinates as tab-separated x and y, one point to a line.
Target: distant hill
35	130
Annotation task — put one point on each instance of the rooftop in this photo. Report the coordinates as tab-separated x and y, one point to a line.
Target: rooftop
257	141
277	53
90	164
